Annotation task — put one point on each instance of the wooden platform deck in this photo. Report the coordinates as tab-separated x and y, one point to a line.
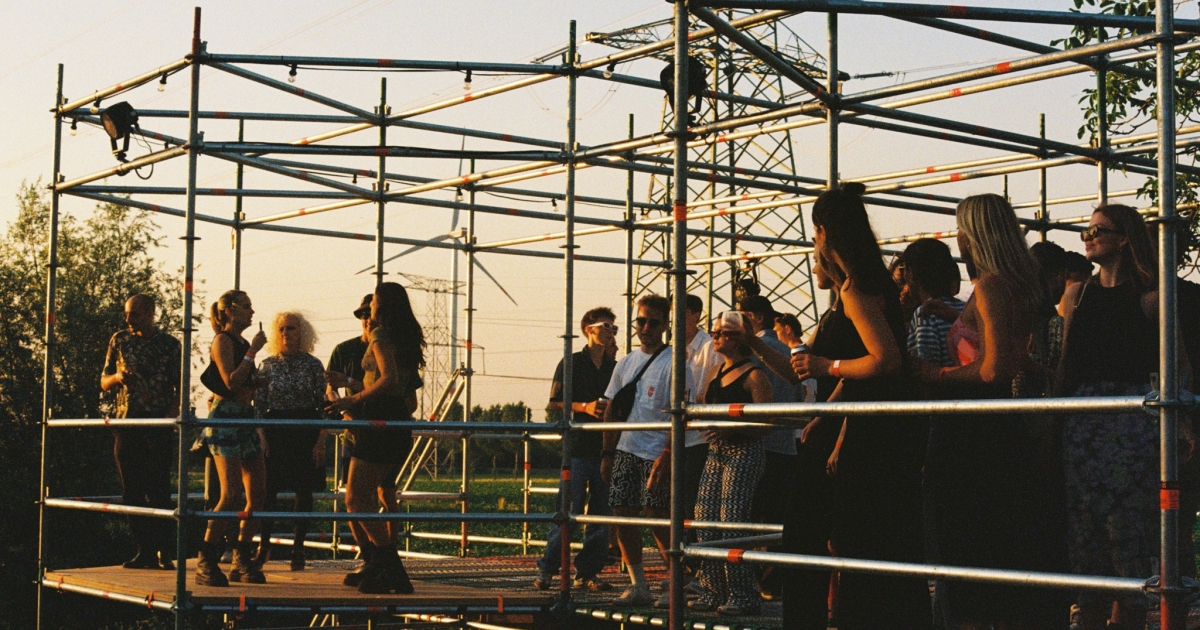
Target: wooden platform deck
319	585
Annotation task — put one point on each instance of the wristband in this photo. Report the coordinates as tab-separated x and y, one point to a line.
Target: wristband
249	357
836	369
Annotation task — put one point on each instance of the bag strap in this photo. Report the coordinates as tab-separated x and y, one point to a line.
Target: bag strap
647	365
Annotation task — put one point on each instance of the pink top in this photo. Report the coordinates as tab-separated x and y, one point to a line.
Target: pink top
962	343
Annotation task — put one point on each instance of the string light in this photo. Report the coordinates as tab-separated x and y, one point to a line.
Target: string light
458	196
608	72
73	130
292	75
467	82
95	109
162	83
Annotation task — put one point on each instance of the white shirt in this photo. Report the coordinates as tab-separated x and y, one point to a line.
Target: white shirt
703	362
651	403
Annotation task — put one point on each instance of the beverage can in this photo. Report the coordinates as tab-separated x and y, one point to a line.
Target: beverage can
802	348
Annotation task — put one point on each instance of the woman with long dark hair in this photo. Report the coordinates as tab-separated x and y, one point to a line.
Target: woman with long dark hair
237	451
1111	460
395	352
990	491
877	462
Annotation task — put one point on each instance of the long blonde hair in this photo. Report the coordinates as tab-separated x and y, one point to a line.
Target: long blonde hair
997	244
216	312
308	335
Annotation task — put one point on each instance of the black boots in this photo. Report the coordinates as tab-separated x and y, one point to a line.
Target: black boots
386	575
355	577
298	558
244	569
143	560
207	571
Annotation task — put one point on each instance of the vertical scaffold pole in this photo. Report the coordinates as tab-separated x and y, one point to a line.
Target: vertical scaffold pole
831	85
679	334
568	394
238	216
1172	607
1102	131
469	376
1043	211
629	297
186	415
381	183
48	370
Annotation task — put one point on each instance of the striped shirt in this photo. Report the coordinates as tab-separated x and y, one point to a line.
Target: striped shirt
927	335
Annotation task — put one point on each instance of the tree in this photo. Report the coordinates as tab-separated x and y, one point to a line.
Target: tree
1132	104
103	259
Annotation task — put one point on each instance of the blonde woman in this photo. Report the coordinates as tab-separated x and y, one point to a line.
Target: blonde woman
293	388
990	498
237	451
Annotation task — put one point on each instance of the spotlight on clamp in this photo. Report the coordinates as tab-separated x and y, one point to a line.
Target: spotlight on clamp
119	121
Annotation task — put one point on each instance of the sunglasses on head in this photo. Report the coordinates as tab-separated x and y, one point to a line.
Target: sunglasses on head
643	322
1094	231
604	326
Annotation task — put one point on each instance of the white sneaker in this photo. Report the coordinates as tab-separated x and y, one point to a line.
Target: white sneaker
635	596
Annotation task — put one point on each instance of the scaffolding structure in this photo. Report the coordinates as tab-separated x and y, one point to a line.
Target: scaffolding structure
668	154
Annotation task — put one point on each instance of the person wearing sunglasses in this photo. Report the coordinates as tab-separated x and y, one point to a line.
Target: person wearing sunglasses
591	371
1111	460
636	464
293	388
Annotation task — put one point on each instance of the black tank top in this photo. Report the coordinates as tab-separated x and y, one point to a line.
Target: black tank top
735	392
211	377
837	338
1110	339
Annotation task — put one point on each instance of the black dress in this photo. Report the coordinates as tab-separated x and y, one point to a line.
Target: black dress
875	507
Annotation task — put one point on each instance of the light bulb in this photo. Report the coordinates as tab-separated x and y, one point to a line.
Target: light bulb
162	83
292	75
458	196
73	130
467	82
608	72
95	108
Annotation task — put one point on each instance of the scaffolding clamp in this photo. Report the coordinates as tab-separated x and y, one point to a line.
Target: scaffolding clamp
1188	589
1186	402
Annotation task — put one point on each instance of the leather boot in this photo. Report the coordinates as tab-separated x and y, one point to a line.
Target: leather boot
244	569
143	560
207	571
389	575
366	551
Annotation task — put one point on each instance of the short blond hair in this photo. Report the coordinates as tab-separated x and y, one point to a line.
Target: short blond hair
308	335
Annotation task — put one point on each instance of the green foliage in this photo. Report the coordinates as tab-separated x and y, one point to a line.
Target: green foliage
1132	104
103	259
494	455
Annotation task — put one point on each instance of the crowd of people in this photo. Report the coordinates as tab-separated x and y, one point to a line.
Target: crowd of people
1022	492
373	376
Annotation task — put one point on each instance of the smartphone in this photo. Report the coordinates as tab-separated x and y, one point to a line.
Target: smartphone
259	326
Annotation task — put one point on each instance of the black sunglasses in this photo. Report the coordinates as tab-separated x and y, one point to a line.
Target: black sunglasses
643	322
1094	231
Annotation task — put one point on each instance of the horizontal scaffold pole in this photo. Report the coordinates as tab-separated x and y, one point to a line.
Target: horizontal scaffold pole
123	86
955	12
1096	404
295	91
263	148
424	517
1069	581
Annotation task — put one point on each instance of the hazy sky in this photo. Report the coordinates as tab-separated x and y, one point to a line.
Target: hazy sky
102	43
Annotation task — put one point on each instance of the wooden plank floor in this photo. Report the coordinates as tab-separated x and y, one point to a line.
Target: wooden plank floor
320	584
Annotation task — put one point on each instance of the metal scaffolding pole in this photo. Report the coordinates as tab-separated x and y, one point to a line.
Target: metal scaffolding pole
629	297
678	331
469	376
186	415
1043	214
568	373
238	215
831	85
48	368
1172	604
380	186
1102	131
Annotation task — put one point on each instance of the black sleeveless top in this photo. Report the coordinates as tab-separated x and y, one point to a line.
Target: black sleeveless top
211	377
837	338
1110	339
735	392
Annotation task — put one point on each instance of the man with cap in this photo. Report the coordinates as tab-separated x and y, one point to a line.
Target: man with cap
347	359
779	444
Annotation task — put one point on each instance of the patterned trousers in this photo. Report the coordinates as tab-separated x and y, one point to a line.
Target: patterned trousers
731	474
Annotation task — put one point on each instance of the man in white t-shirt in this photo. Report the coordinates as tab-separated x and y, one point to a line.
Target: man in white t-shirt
637	463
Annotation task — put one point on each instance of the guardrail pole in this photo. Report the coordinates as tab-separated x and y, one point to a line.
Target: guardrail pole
1043	214
238	216
1102	130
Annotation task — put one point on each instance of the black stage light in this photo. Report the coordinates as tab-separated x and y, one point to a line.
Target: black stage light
119	121
697	83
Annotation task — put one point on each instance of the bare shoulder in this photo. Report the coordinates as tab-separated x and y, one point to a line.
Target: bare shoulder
1071	299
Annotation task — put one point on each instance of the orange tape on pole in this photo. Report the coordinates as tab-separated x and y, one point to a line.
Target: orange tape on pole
735	556
680	211
499	603
1168	498
736	410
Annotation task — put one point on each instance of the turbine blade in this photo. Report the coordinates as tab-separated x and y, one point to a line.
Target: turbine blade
406	252
495	281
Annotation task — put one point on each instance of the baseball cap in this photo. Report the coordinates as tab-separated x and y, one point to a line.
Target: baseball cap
364	309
